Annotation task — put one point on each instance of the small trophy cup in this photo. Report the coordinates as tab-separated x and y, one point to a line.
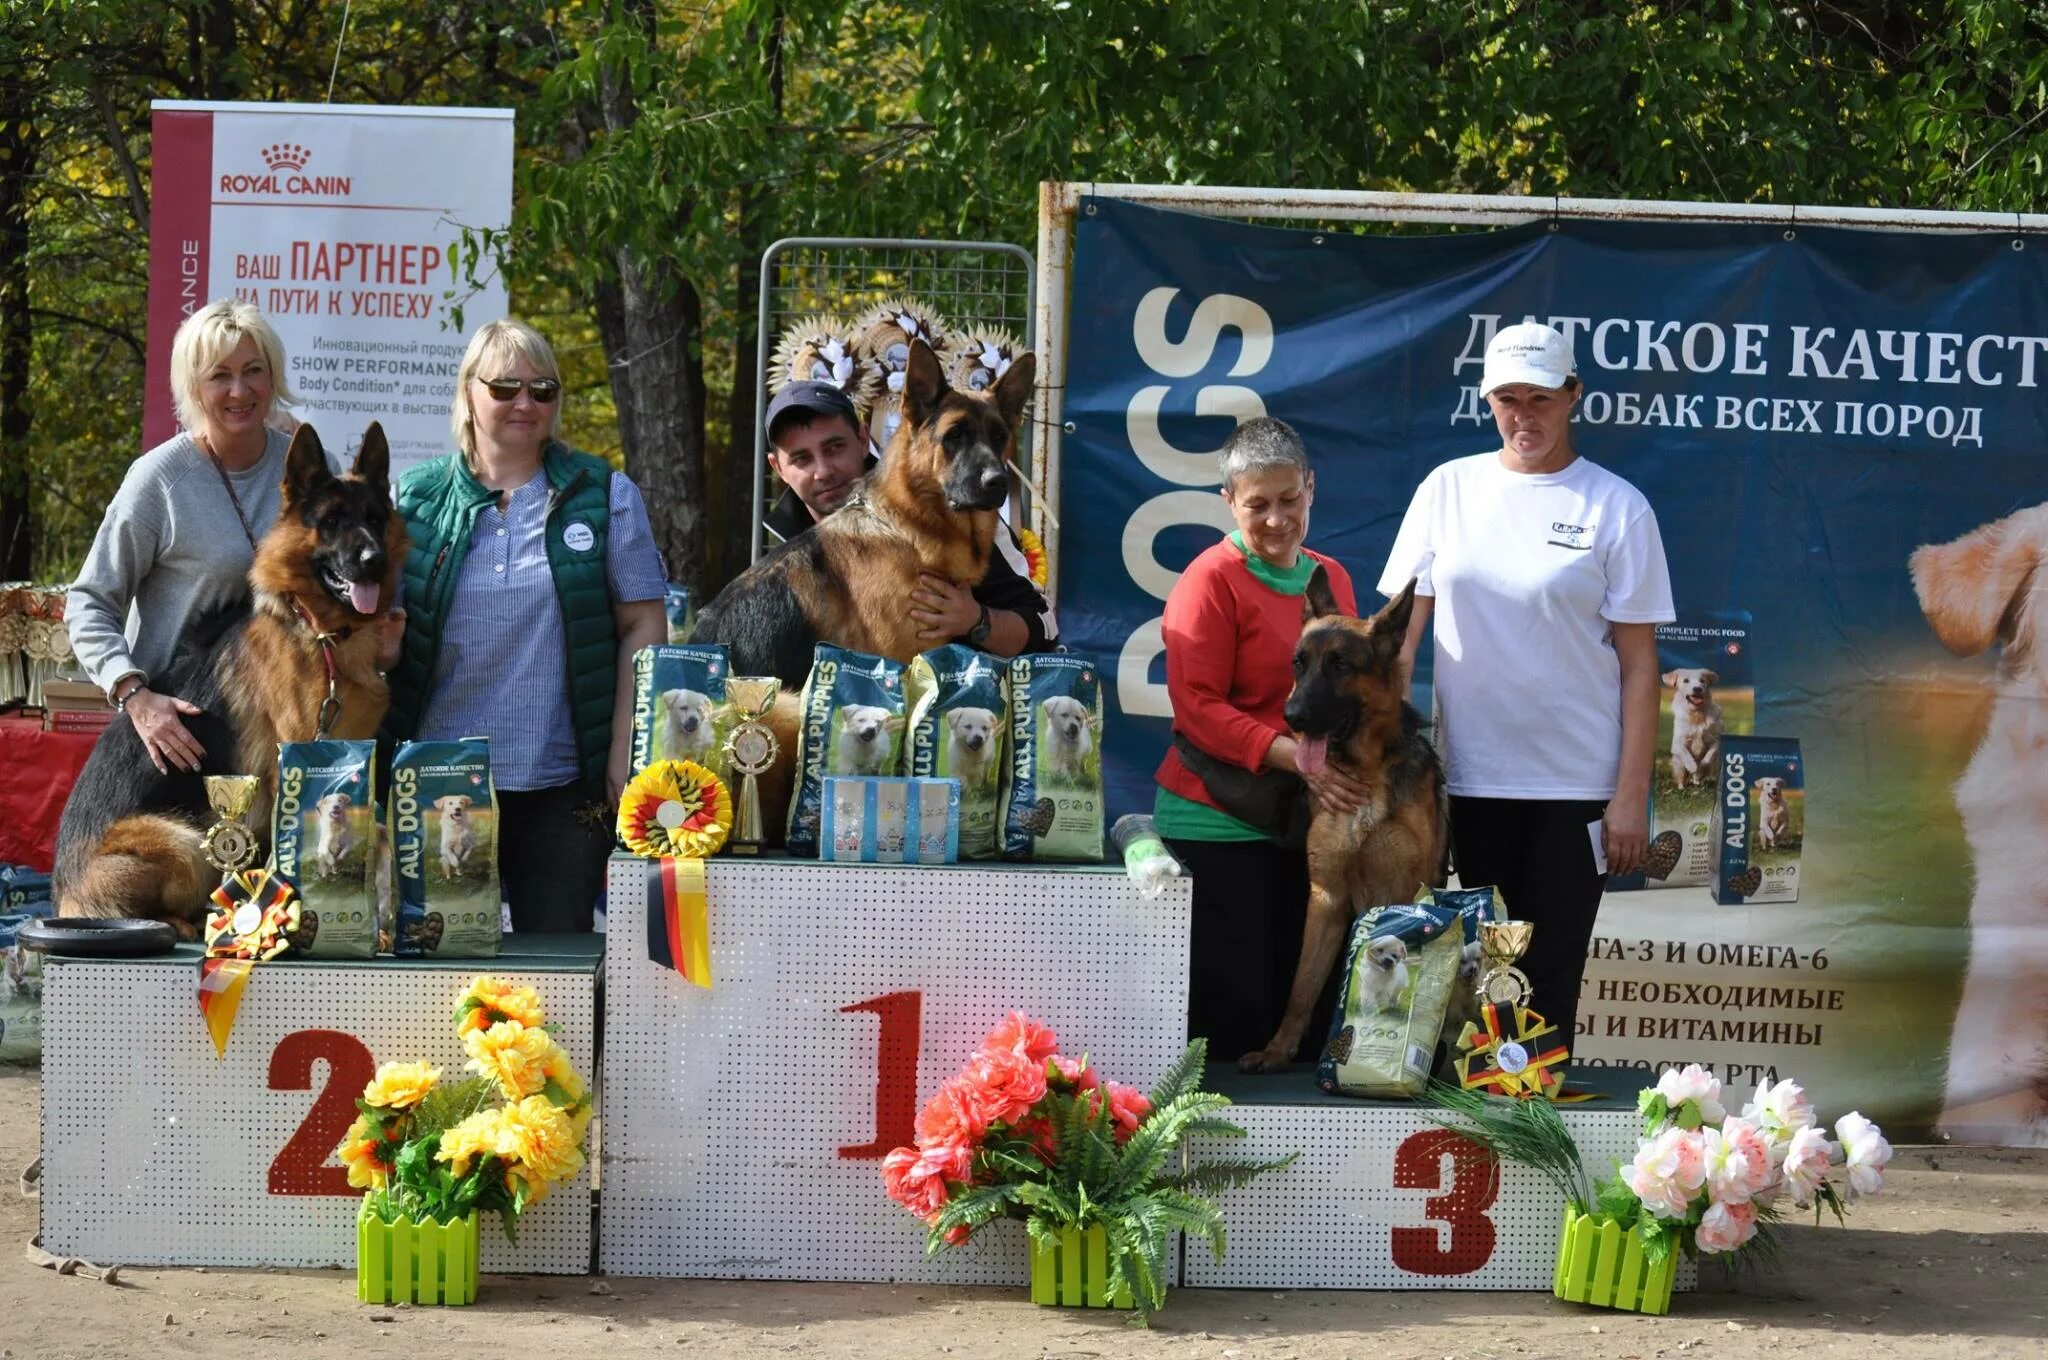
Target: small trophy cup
751	749
1502	942
230	846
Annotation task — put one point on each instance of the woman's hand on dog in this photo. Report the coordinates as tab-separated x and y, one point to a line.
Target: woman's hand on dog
1335	791
1627	829
943	610
164	736
390	628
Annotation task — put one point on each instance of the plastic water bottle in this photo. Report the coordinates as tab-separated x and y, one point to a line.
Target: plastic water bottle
1147	861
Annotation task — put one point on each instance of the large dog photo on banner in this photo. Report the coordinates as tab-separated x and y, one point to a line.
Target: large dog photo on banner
1981	590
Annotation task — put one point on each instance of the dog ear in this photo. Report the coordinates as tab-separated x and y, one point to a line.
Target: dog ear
1392	620
1711	677
305	467
1971	590
1319	601
924	384
1670	677
1015	387
373	459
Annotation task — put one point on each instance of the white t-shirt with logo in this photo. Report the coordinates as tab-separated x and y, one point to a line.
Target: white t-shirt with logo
1528	572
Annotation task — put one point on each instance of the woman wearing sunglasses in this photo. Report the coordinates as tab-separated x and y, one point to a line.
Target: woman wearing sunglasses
532	579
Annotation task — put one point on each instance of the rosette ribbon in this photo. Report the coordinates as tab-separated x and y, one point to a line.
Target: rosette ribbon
1523	1061
255	914
676	812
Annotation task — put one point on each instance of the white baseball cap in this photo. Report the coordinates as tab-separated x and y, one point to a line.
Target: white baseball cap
1528	353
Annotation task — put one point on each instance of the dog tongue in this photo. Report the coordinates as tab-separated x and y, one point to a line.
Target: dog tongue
1312	754
362	597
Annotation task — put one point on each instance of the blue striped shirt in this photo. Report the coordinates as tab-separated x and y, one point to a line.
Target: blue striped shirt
503	671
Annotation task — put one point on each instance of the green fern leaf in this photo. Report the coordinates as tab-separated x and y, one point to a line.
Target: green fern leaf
1184	1076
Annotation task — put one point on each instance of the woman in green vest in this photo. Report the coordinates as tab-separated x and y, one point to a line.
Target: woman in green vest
532	580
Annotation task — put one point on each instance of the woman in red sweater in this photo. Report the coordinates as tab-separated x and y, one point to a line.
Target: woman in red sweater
1231	802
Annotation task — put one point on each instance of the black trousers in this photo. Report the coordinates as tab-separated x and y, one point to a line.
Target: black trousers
551	861
1538	855
1250	904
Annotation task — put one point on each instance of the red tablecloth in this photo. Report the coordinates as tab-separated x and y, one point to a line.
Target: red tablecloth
37	769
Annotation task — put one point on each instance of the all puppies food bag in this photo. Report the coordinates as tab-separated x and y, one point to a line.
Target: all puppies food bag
323	837
959	721
444	841
1052	782
852	721
680	710
1398	974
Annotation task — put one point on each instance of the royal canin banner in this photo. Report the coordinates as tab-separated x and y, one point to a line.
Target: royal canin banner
343	223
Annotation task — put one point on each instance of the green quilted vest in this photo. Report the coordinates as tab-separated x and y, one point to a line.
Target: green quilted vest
440	502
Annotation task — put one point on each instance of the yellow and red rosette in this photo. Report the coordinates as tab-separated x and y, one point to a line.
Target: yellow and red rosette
675	808
1034	555
1523	1061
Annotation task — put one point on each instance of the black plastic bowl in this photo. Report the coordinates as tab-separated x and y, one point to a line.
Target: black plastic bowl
86	937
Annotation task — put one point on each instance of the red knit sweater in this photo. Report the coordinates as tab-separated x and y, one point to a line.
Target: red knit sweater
1230	661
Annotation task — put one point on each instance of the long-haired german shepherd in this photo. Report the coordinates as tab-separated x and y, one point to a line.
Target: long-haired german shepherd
129	841
930	507
1347	710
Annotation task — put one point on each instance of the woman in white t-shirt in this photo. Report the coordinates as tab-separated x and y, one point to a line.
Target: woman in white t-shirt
1542	576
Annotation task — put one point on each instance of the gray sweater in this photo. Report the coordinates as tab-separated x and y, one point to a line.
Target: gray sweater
169	551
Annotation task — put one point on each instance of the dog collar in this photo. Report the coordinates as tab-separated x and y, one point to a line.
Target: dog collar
330	707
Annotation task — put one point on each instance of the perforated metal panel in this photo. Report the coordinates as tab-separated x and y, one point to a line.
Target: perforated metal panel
1339	1219
726	1111
156	1153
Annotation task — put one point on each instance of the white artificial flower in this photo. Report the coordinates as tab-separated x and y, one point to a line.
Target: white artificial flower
1696	1084
1807	1159
1865	1153
1782	1110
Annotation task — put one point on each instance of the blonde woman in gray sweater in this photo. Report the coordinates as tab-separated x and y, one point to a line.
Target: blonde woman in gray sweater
179	535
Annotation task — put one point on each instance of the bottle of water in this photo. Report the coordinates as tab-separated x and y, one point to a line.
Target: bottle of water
1146	859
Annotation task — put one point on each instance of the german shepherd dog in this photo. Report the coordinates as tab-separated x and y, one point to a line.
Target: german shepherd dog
1347	710
129	841
929	507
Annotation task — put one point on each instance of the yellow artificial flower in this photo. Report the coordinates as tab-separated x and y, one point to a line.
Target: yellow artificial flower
359	1152
498	1001
542	1140
562	1072
480	1135
515	1056
400	1086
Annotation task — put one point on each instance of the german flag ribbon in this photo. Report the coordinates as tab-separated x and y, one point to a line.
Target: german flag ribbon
679	918
221	982
1523	1062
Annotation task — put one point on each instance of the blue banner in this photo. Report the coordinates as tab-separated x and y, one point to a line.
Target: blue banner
1803	410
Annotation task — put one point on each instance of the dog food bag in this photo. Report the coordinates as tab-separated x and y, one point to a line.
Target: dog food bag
875	819
679	706
1762	820
1707	692
681	617
1398	975
959	712
851	722
323	837
444	842
1052	782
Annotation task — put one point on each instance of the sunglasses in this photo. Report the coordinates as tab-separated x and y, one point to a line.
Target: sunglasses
544	390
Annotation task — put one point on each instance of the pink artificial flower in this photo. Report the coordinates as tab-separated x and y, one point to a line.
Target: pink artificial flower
1018	1033
1807	1159
1074	1075
948	1161
1696	1084
951	1116
1667	1172
1759	1156
1002	1085
915	1181
1865	1153
1037	1130
957	1235
1128	1107
1725	1226
1781	1110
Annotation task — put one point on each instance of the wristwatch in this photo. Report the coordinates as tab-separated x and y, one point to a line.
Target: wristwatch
977	636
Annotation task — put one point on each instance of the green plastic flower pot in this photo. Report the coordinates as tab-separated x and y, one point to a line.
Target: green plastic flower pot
1075	1274
408	1262
1601	1263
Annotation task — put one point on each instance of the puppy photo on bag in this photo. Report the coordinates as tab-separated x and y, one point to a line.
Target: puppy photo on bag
680	711
1052	793
444	841
852	717
959	722
323	838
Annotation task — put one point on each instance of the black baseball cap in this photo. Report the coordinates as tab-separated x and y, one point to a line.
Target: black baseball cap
814	398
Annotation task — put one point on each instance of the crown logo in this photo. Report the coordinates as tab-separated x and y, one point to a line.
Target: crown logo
286	156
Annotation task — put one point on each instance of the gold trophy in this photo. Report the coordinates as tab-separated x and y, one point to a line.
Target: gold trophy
230	845
751	750
1502	942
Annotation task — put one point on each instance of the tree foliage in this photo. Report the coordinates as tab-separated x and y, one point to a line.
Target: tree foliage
662	145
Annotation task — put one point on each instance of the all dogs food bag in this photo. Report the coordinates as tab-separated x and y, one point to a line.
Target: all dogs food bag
959	714
679	706
444	842
851	722
1762	820
1398	974
323	837
1052	782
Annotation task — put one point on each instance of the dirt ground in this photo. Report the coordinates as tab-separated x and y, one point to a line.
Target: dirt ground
1952	1261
